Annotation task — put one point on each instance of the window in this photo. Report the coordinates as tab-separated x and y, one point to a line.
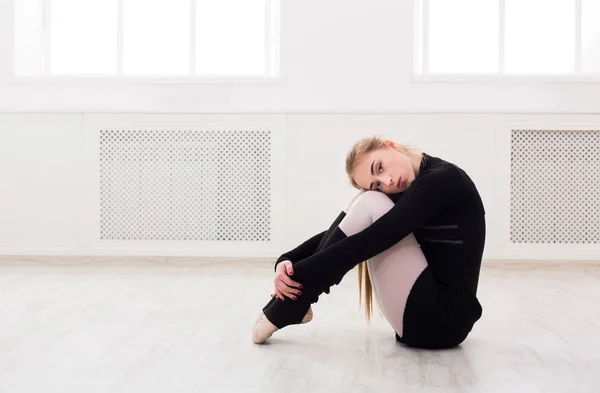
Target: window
507	38
146	38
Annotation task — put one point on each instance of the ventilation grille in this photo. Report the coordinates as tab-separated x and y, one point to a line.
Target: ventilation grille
555	186
197	185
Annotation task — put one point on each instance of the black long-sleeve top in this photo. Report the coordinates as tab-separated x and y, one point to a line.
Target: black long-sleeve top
442	208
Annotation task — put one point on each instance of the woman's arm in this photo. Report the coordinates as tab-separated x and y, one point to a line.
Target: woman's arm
304	250
431	193
313	244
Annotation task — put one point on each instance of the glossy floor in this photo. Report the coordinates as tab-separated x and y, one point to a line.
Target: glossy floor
184	325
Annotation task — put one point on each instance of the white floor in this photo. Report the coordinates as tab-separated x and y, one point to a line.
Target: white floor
183	325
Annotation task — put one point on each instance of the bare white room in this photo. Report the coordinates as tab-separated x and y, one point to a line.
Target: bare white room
299	196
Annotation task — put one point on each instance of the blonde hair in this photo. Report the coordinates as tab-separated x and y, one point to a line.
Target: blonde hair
360	149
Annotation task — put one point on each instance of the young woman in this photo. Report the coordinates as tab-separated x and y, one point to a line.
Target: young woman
418	224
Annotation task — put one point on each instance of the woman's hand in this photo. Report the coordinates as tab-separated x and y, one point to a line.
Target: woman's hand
284	285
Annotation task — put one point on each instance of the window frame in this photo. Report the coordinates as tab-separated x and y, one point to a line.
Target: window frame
420	55
272	73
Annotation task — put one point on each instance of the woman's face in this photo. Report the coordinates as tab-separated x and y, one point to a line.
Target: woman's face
386	170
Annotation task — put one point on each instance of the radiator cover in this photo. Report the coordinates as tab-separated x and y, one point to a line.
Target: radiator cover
555	186
192	184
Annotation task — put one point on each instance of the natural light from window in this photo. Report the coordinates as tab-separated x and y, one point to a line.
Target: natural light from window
147	38
508	37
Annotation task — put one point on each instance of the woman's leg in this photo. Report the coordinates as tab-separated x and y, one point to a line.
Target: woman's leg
332	236
393	274
328	239
366	209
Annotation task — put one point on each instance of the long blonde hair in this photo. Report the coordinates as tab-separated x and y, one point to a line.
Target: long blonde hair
360	149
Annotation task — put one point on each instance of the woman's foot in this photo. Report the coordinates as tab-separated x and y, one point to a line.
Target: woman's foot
263	328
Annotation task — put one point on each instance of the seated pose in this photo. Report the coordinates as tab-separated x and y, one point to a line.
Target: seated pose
416	228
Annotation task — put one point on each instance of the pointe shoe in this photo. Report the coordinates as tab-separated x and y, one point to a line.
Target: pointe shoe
263	328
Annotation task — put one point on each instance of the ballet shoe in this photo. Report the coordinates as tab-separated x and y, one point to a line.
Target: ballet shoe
263	328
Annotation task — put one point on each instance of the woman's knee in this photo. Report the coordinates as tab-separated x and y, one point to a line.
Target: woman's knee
353	199
374	202
366	208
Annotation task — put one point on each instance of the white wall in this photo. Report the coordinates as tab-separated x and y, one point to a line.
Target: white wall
49	168
345	74
338	56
